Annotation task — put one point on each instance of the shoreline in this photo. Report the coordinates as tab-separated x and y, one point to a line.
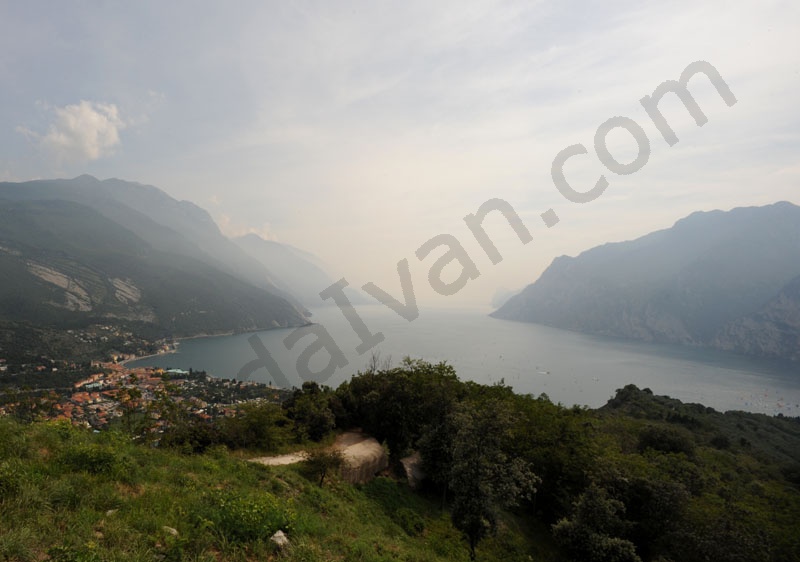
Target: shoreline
138	358
177	341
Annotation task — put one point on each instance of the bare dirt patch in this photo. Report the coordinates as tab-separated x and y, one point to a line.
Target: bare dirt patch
363	455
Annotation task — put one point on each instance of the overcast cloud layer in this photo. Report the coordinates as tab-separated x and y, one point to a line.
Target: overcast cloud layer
359	130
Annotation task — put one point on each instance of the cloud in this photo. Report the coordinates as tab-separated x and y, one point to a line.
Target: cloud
80	132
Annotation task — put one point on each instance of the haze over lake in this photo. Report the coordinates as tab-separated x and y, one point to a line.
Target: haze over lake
569	367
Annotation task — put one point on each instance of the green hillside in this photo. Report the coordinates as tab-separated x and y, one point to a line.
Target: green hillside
70	495
176	227
64	264
644	479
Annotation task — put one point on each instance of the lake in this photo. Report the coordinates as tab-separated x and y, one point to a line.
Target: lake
570	368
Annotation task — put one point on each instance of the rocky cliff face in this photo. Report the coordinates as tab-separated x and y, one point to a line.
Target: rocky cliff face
773	331
723	279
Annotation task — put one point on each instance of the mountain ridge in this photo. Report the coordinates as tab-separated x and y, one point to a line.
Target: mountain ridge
74	252
177	226
695	283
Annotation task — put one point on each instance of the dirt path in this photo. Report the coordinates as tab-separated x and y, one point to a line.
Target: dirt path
291	458
363	456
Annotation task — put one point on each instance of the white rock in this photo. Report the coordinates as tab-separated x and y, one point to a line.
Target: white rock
280	539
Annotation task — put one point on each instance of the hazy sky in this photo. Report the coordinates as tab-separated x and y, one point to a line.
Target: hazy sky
359	130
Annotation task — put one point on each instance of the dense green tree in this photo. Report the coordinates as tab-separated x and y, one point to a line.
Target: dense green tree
310	409
397	405
182	428
192	435
666	439
483	478
135	418
257	425
593	533
731	534
322	463
560	443
436	449
653	506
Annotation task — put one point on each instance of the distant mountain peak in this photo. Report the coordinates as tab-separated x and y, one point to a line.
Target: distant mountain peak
713	279
84	178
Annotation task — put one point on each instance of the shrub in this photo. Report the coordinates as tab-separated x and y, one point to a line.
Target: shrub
192	436
246	518
319	464
261	426
92	459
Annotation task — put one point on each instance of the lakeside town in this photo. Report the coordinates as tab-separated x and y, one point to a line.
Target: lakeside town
99	394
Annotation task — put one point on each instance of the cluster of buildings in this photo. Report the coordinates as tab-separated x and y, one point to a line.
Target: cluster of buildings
99	398
36	386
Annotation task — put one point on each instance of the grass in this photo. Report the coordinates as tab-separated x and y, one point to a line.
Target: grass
70	495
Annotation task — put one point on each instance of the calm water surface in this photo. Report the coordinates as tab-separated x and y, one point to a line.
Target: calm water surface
570	368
